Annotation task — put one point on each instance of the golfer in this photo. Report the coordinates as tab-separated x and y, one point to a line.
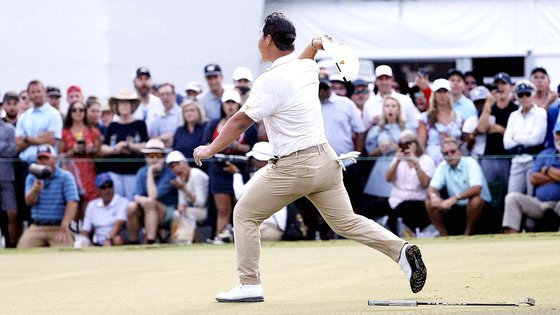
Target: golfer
286	98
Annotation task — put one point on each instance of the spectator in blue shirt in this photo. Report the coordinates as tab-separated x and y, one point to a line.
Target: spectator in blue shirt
53	200
461	103
41	124
546	177
155	198
466	187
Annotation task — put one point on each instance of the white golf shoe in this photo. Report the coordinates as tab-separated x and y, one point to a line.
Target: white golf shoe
242	293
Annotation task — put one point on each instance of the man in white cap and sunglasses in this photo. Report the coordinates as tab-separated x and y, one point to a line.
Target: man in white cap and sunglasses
286	98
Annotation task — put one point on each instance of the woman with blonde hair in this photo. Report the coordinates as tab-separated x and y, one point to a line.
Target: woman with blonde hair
189	135
440	121
409	174
382	142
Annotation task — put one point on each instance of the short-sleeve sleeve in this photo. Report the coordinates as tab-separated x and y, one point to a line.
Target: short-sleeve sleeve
427	165
476	177
262	101
356	119
121	211
29	183
140	189
88	225
371	139
540	161
20	130
438	180
70	188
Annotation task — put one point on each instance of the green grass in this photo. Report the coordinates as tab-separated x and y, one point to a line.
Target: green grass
334	277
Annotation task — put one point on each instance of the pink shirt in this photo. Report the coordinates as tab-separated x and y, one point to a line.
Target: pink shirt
406	185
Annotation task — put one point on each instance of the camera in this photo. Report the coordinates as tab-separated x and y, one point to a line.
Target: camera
404	145
238	160
40	171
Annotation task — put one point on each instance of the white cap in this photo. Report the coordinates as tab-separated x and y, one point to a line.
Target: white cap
231	95
383	70
175	156
242	73
336	77
261	151
195	86
479	93
441	84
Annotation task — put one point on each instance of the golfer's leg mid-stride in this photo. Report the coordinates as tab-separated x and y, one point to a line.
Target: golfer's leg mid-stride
286	98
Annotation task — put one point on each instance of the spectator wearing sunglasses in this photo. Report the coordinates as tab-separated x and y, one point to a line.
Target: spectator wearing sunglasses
155	198
524	137
105	216
467	191
79	144
361	93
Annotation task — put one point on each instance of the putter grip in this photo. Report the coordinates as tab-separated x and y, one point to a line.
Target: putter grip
392	303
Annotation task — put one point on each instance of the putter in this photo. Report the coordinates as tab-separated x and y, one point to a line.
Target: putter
527	302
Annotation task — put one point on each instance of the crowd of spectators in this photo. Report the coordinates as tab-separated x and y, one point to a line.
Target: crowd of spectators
450	157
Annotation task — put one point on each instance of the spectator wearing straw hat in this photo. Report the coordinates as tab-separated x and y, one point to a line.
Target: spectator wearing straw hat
123	141
53	200
155	198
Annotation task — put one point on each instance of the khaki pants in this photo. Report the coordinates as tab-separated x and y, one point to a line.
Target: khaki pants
518	204
313	173
43	236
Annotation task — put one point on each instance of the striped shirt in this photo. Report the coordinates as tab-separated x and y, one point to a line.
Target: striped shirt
57	191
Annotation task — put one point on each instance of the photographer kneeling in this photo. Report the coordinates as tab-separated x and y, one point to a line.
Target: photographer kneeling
272	228
53	196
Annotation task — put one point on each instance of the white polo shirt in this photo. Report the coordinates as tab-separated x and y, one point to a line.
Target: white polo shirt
101	218
197	184
528	130
286	97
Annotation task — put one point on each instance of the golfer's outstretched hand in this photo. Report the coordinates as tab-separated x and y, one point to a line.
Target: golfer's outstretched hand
200	153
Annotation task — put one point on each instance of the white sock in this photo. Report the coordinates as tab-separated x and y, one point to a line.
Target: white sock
403	262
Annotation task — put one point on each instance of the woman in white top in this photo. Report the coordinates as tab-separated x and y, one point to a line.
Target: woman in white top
409	174
524	137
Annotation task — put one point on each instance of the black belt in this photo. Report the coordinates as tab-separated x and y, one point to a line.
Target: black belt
47	222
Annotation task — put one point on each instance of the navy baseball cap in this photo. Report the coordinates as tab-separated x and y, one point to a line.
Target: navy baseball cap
102	179
359	82
53	91
539	69
524	88
143	71
212	69
453	71
10	96
502	76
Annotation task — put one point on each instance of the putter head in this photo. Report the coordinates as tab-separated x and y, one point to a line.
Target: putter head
529	301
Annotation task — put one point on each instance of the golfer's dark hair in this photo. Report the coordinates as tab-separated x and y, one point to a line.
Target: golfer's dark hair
282	31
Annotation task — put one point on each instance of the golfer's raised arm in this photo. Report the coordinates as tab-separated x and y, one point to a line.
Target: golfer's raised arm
311	49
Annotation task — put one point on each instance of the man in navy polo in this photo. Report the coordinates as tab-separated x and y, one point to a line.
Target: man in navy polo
546	179
53	200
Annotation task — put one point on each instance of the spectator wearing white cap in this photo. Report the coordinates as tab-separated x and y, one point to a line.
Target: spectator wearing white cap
338	85
475	143
373	108
193	90
221	182
192	185
242	81
211	99
272	228
440	121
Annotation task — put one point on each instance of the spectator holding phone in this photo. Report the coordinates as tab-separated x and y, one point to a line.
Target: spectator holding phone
409	174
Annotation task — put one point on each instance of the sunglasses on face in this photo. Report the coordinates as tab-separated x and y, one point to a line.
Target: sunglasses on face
107	185
524	94
154	156
77	110
361	92
448	153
